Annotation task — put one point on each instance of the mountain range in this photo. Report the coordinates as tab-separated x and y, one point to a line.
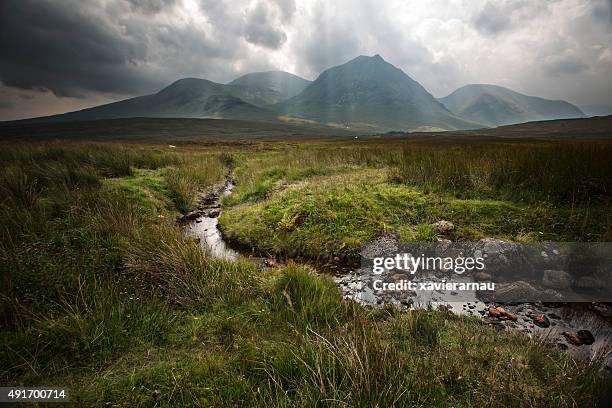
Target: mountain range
364	94
494	105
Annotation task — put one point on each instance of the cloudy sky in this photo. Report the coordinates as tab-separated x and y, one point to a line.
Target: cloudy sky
62	55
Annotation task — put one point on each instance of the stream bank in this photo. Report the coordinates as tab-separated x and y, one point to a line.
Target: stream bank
584	330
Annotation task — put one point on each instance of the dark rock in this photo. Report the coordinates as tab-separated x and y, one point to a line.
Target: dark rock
586	337
580	337
214	213
192	215
482	276
541	320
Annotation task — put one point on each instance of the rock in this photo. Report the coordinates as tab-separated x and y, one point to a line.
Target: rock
198	221
214	213
407	302
556	279
444	227
580	337
541	320
192	215
586	337
501	313
482	276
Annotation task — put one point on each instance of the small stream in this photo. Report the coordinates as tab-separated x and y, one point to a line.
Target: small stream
570	317
206	227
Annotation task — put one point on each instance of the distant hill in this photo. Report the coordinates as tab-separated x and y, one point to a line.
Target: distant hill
266	88
370	93
494	105
185	98
597	110
366	94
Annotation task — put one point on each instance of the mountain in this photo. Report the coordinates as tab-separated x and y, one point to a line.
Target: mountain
495	105
597	110
185	98
266	88
370	93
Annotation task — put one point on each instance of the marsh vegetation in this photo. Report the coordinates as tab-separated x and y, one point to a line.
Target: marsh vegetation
102	293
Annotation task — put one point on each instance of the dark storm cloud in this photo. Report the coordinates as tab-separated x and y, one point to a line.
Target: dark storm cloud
490	21
498	16
63	47
260	27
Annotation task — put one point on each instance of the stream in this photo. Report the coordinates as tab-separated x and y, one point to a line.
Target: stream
202	225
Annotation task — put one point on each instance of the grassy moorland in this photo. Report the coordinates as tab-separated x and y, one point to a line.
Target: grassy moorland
102	294
324	201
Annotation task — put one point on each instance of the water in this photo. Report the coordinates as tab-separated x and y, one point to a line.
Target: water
206	229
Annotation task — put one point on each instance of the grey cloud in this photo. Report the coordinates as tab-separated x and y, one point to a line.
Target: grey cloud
498	16
261	30
73	48
565	66
65	48
151	6
287	8
602	13
490	21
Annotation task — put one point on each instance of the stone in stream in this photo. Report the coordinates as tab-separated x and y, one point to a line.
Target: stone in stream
501	313
214	213
482	276
541	320
192	215
579	338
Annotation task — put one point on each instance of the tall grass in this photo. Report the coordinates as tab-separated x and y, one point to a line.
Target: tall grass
197	171
100	294
561	172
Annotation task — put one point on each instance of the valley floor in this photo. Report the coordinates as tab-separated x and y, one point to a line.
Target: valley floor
102	292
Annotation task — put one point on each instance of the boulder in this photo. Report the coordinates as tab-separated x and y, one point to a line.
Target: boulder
541	320
556	279
192	215
444	227
579	338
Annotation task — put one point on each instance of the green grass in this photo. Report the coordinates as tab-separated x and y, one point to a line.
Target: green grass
102	295
326	217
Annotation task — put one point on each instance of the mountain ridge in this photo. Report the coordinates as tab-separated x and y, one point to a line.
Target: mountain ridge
366	93
494	105
369	92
